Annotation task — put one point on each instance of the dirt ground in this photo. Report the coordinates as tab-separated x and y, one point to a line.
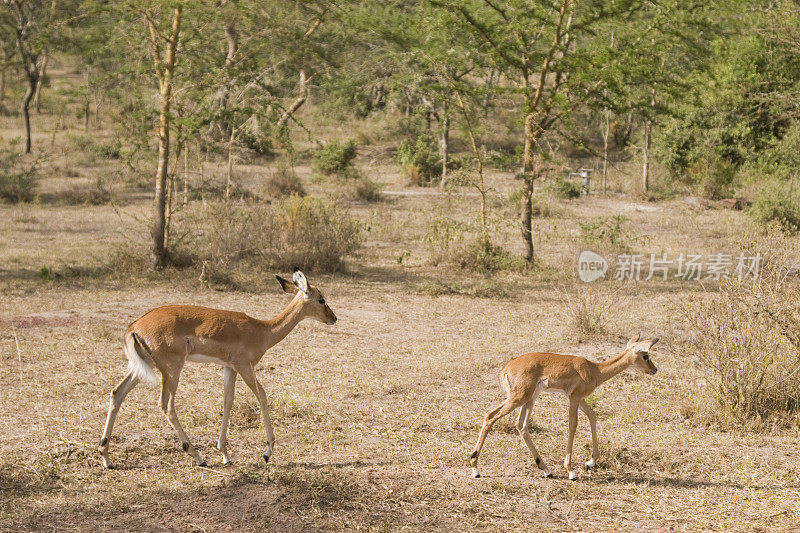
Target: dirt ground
375	416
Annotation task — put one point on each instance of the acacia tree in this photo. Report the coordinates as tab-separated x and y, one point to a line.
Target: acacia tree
164	63
554	55
23	21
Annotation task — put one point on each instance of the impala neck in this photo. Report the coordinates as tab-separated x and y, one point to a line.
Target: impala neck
281	325
611	367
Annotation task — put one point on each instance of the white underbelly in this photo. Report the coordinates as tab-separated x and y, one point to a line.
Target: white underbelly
200	358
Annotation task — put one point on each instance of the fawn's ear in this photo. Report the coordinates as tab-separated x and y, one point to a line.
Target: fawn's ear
300	280
653	341
287	285
633	340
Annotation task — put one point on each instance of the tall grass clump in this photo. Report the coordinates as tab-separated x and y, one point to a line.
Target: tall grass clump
283	181
313	234
777	204
587	313
17	180
747	339
306	232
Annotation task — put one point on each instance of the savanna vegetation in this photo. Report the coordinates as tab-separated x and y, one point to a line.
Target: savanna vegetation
421	162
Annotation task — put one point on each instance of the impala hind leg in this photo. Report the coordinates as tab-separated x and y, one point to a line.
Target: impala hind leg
229	388
249	377
169	386
117	397
491	417
593	424
522	428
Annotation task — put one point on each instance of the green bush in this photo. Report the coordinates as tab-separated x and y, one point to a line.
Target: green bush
336	158
563	188
779	203
420	160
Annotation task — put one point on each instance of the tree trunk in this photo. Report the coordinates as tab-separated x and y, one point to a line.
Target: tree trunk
606	131
185	174
444	144
164	70
646	157
37	100
3	84
528	177
232	39
230	165
301	98
26	110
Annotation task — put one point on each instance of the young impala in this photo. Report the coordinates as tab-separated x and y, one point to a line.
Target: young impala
167	337
526	376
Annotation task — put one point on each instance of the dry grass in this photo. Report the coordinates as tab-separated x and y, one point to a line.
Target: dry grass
375	416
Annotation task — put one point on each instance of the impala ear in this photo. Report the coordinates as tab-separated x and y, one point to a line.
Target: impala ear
287	285
652	342
633	340
300	280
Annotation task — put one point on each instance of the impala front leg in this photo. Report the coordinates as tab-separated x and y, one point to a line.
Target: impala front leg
249	377
573	425
229	388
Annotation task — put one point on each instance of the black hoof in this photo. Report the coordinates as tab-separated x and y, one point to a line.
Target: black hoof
203	464
549	475
476	476
266	458
110	467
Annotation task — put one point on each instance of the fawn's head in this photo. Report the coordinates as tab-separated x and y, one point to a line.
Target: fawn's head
314	304
640	352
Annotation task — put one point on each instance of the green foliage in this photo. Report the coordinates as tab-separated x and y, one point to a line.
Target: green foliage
336	158
419	159
564	188
778	203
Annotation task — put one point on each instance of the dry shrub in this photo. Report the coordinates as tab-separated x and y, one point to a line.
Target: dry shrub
747	336
99	193
283	182
363	189
586	312
313	234
297	231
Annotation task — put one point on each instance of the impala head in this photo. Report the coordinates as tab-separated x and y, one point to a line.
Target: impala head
640	351
314	302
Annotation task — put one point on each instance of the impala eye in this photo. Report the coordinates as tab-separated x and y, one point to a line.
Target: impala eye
645	357
322	301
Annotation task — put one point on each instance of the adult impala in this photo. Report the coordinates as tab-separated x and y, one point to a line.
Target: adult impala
167	337
526	376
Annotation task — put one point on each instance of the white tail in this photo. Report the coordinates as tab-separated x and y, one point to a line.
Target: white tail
137	365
